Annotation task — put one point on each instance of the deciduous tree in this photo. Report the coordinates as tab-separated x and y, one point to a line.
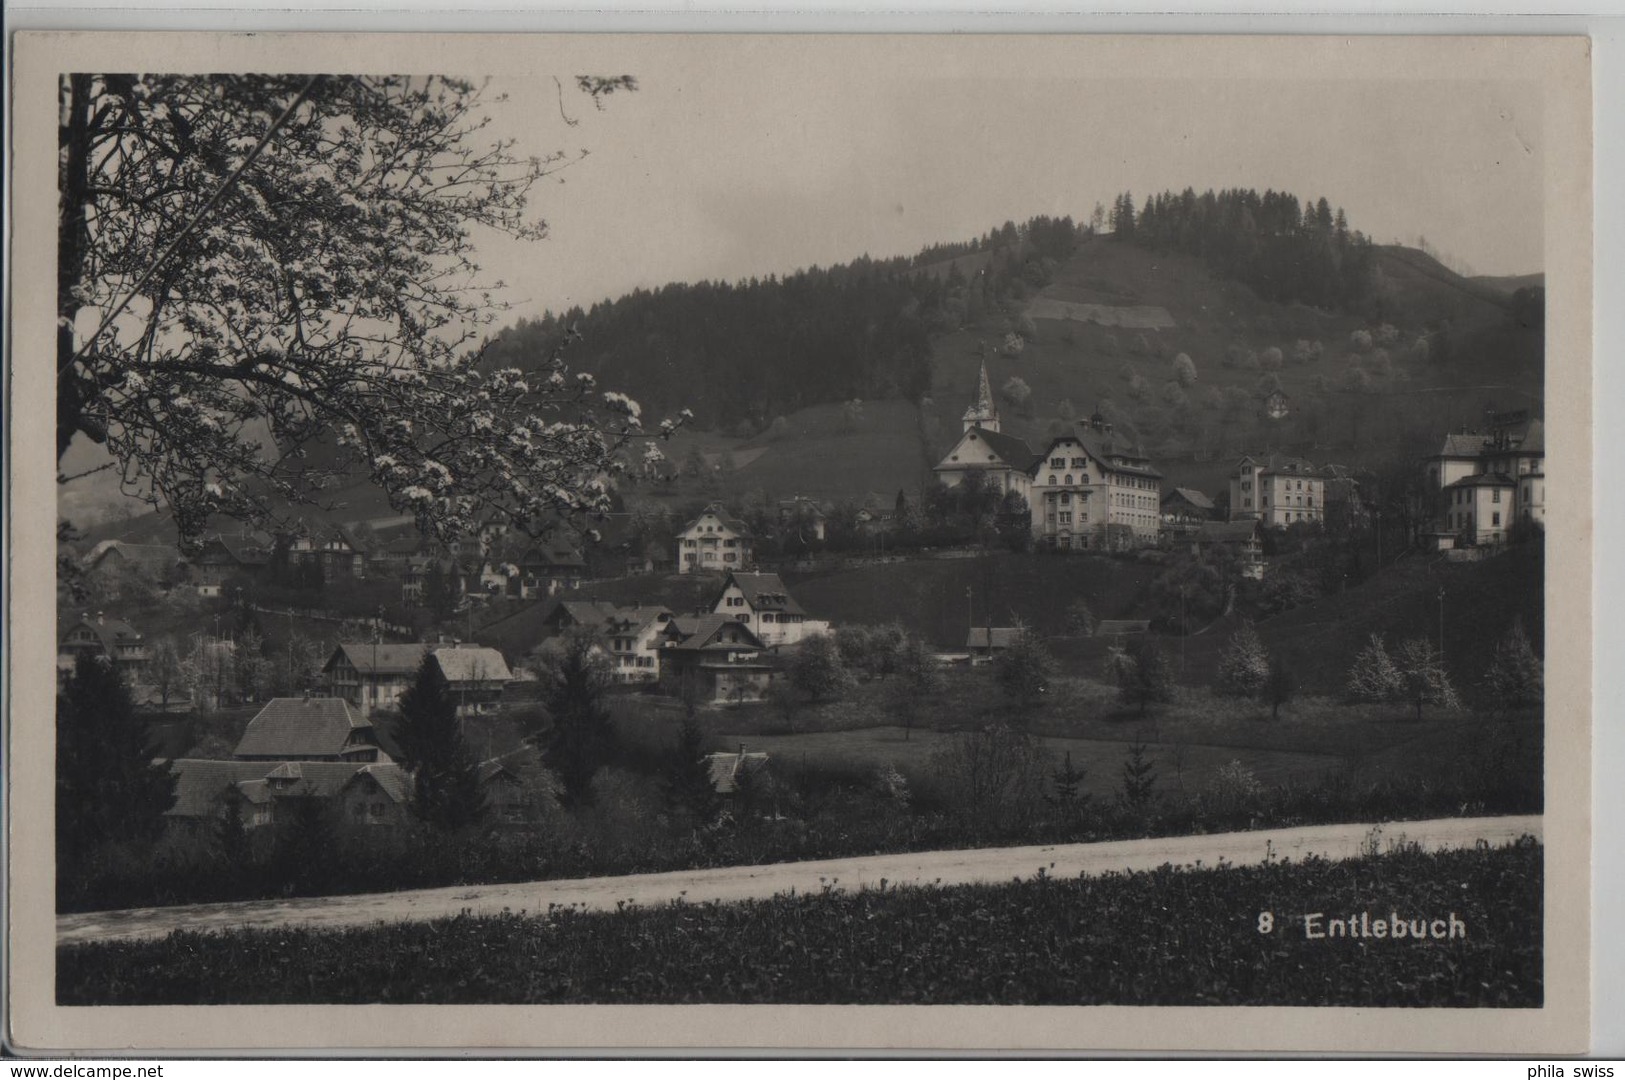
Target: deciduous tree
250	266
1244	666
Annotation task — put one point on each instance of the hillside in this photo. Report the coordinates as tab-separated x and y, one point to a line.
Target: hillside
1428	351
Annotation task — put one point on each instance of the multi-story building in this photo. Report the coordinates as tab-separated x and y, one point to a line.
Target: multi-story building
1091	489
1485	484
120	643
1277	490
374	675
715	541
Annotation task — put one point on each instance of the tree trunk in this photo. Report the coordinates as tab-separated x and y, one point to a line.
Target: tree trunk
73	238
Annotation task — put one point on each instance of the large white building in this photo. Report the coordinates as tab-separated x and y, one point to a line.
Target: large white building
715	541
1277	490
1484	484
1089	488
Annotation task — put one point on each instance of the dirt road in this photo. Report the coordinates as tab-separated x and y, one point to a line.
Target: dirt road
749	882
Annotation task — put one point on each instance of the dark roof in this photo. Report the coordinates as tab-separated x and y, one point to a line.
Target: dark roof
1528	437
721	515
148	556
379	659
1192	496
114	634
693	633
200	783
1484	480
991	637
551	556
1283	465
763	592
301	728
1011	450
1227	531
590	613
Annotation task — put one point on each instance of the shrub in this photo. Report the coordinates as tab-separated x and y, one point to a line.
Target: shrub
1270	359
1374	676
996	774
1244	666
1515	677
1184	369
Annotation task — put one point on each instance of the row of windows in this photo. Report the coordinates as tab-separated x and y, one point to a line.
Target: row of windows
710	556
1061	463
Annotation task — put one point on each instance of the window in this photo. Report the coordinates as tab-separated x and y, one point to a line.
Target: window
1080	463
1066	498
1495	496
1057	463
1068	479
1066	517
1495	520
728	557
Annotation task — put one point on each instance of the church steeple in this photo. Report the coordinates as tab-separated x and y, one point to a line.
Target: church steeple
984	413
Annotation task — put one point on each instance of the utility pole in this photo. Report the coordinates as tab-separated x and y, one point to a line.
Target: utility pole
970	613
1441	626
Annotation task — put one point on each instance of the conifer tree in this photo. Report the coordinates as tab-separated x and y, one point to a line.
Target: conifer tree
1515	678
446	789
108	787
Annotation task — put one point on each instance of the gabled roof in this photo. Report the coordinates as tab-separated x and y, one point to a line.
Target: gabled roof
1282	465
551	557
147	556
1483	480
244	551
693	633
292	729
635	620
992	637
114	634
1109	452
725	769
201	783
763	592
471	663
727	519
379	659
1010	450
1114	627
1227	531
1192	496
589	613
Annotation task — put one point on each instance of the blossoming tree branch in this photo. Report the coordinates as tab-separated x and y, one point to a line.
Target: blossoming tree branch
267	286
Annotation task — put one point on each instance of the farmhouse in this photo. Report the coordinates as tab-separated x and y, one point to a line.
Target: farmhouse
761	602
374	675
115	639
715	541
714	658
266	792
1242	538
225	557
309	729
1185	507
1278	491
1485	483
332	547
114	561
984	641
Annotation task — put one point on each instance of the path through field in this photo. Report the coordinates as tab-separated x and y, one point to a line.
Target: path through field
751	882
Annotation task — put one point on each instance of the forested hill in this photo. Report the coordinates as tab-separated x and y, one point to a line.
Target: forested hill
739	354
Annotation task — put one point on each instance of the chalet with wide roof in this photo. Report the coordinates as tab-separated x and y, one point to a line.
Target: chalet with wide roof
762	602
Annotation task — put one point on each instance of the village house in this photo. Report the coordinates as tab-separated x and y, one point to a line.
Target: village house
714	658
365	795
226	557
715	541
420	569
1185	508
309	729
1242	538
1091	489
111	563
332	547
374	675
1277	490
761	602
1484	484
630	638
803	516
115	639
549	569
983	642
1003	461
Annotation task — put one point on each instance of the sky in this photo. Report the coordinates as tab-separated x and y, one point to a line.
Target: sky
775	165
